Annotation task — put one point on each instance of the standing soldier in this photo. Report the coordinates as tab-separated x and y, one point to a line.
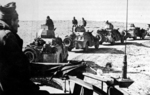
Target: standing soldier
14	65
84	22
49	23
75	23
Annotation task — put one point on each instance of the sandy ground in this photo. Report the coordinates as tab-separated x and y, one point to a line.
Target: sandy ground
138	53
137	60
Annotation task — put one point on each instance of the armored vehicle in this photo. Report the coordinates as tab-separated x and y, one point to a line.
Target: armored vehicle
82	39
134	33
46	48
109	36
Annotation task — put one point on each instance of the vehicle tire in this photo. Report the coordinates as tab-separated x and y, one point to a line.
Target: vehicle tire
86	47
30	55
60	59
69	48
66	59
134	38
122	39
67	42
112	41
100	36
143	36
96	45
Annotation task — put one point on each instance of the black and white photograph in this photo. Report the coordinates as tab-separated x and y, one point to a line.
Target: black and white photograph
74	47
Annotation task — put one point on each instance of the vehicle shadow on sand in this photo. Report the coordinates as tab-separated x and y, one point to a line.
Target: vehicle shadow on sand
137	44
129	43
101	50
119	71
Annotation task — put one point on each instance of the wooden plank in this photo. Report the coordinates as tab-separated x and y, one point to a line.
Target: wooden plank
81	82
99	78
122	90
48	63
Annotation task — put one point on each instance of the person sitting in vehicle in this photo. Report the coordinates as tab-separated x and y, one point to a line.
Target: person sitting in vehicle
108	26
49	23
148	26
15	72
132	27
148	29
84	22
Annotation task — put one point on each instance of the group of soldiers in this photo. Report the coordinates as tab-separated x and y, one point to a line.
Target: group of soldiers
108	25
75	22
14	65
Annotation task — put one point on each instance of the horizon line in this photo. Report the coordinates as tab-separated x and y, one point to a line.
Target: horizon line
90	21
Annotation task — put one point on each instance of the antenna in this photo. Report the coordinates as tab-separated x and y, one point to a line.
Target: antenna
124	68
125	82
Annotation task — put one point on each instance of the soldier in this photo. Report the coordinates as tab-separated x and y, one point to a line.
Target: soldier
148	30
14	65
75	23
49	23
108	26
84	22
132	27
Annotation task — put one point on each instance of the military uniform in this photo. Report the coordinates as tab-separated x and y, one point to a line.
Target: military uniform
132	27
49	23
14	65
74	22
84	22
108	26
148	30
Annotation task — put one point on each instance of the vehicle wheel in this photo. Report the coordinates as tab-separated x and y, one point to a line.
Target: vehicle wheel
142	37
69	48
86	47
67	42
122	39
30	55
100	37
96	45
112	41
60	59
134	38
65	60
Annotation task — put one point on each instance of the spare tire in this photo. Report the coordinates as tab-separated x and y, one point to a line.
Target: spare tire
67	42
101	37
31	55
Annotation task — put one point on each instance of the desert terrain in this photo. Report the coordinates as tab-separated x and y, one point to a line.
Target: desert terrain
138	51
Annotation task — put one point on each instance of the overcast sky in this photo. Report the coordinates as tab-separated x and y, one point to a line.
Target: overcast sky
96	10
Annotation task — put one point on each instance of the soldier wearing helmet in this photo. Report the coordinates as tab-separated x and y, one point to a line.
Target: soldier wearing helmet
49	23
75	23
84	22
14	65
132	27
108	26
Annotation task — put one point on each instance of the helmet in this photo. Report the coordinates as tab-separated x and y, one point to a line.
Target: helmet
132	25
